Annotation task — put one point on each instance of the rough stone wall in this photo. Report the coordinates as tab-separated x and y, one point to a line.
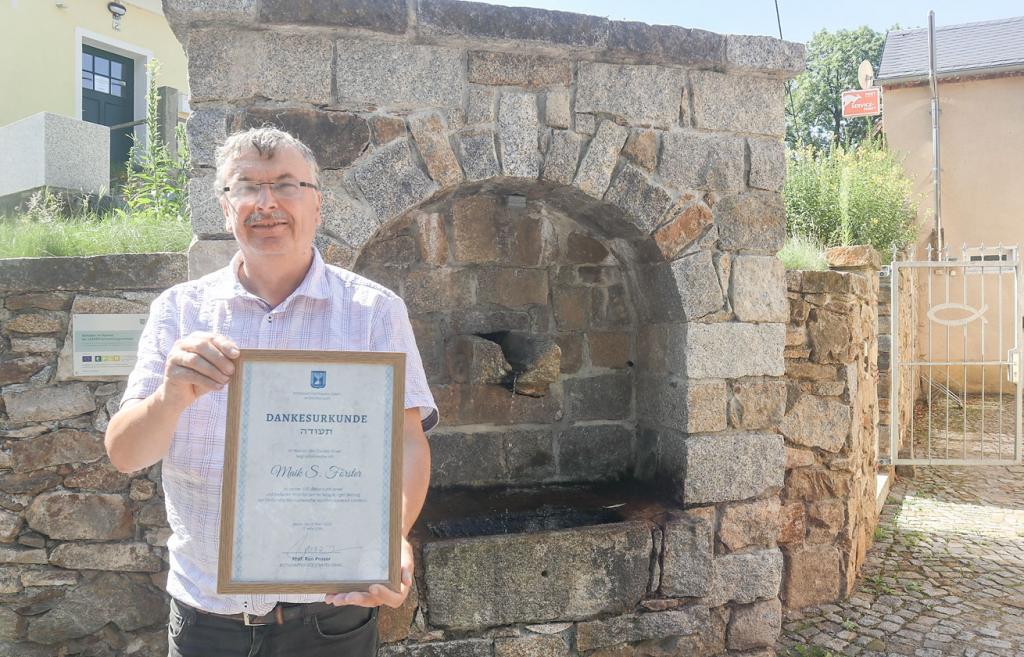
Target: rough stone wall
907	332
82	546
830	427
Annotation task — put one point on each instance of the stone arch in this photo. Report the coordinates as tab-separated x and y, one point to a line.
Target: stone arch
497	264
703	274
676	430
705	281
677	245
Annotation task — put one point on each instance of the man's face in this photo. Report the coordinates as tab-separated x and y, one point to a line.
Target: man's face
265	224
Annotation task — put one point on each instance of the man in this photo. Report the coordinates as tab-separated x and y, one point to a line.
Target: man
276	293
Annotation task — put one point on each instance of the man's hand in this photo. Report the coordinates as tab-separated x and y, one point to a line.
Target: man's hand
198	364
140	433
378	594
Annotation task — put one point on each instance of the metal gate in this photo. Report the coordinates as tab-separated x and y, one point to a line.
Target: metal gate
961	365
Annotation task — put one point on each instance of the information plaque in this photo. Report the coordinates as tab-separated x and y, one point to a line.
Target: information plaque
311	500
105	345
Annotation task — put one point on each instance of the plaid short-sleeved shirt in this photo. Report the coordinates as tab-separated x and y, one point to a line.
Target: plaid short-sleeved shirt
332	309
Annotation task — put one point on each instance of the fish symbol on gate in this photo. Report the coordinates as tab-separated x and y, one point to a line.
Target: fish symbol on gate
973	314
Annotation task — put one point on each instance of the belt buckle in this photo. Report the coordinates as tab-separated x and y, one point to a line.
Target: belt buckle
248	618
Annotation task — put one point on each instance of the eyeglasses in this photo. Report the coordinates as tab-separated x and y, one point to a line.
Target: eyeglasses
244	192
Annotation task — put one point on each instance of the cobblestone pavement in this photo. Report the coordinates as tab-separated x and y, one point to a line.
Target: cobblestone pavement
945	576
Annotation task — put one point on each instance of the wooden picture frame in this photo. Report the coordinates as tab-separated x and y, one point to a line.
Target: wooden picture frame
311	500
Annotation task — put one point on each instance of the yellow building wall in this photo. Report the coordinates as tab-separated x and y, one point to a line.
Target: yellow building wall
982	154
982	158
38	51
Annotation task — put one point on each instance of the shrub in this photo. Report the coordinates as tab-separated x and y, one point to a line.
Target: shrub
850	196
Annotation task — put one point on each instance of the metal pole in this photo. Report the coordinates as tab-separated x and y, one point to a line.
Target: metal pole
984	330
1017	355
963	354
130	124
999	443
931	355
936	169
946	274
894	364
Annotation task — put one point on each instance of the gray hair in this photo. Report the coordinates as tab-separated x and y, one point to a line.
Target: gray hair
266	141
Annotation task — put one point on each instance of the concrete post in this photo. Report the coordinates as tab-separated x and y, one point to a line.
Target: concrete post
167	118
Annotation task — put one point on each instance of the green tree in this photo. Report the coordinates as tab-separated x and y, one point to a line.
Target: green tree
814	112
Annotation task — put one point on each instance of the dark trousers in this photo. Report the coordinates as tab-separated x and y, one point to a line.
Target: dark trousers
322	631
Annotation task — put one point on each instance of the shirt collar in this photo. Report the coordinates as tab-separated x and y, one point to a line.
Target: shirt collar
314	285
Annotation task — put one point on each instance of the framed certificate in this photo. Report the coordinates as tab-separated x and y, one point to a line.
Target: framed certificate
312	494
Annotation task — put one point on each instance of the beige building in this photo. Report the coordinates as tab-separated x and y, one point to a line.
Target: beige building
980	73
73	71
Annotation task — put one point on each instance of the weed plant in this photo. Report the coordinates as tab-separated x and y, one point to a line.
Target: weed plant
155	180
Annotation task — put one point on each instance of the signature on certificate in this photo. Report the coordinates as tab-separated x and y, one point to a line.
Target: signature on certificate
304	548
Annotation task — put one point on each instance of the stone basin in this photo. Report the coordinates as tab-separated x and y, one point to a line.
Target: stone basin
498	557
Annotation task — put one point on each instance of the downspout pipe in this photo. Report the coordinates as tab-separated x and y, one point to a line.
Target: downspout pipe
936	168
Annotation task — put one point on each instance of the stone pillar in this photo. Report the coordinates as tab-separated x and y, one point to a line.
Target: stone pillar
863	261
830	426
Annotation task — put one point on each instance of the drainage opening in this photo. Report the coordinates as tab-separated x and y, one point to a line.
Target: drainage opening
535	361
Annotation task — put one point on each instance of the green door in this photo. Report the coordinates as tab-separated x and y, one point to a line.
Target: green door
108	99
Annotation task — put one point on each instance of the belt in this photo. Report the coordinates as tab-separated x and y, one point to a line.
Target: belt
282	613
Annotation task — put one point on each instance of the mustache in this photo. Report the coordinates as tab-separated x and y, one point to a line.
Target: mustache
257	217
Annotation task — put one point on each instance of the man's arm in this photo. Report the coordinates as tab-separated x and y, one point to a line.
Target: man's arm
415	469
415	481
140	433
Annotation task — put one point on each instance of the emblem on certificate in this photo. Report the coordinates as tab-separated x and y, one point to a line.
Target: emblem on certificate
312	493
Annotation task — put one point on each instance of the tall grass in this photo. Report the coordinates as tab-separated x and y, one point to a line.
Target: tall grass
801	252
48	227
857	195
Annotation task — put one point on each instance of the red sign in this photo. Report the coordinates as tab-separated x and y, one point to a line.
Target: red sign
862	102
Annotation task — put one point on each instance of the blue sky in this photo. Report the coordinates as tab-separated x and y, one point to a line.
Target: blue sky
800	18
